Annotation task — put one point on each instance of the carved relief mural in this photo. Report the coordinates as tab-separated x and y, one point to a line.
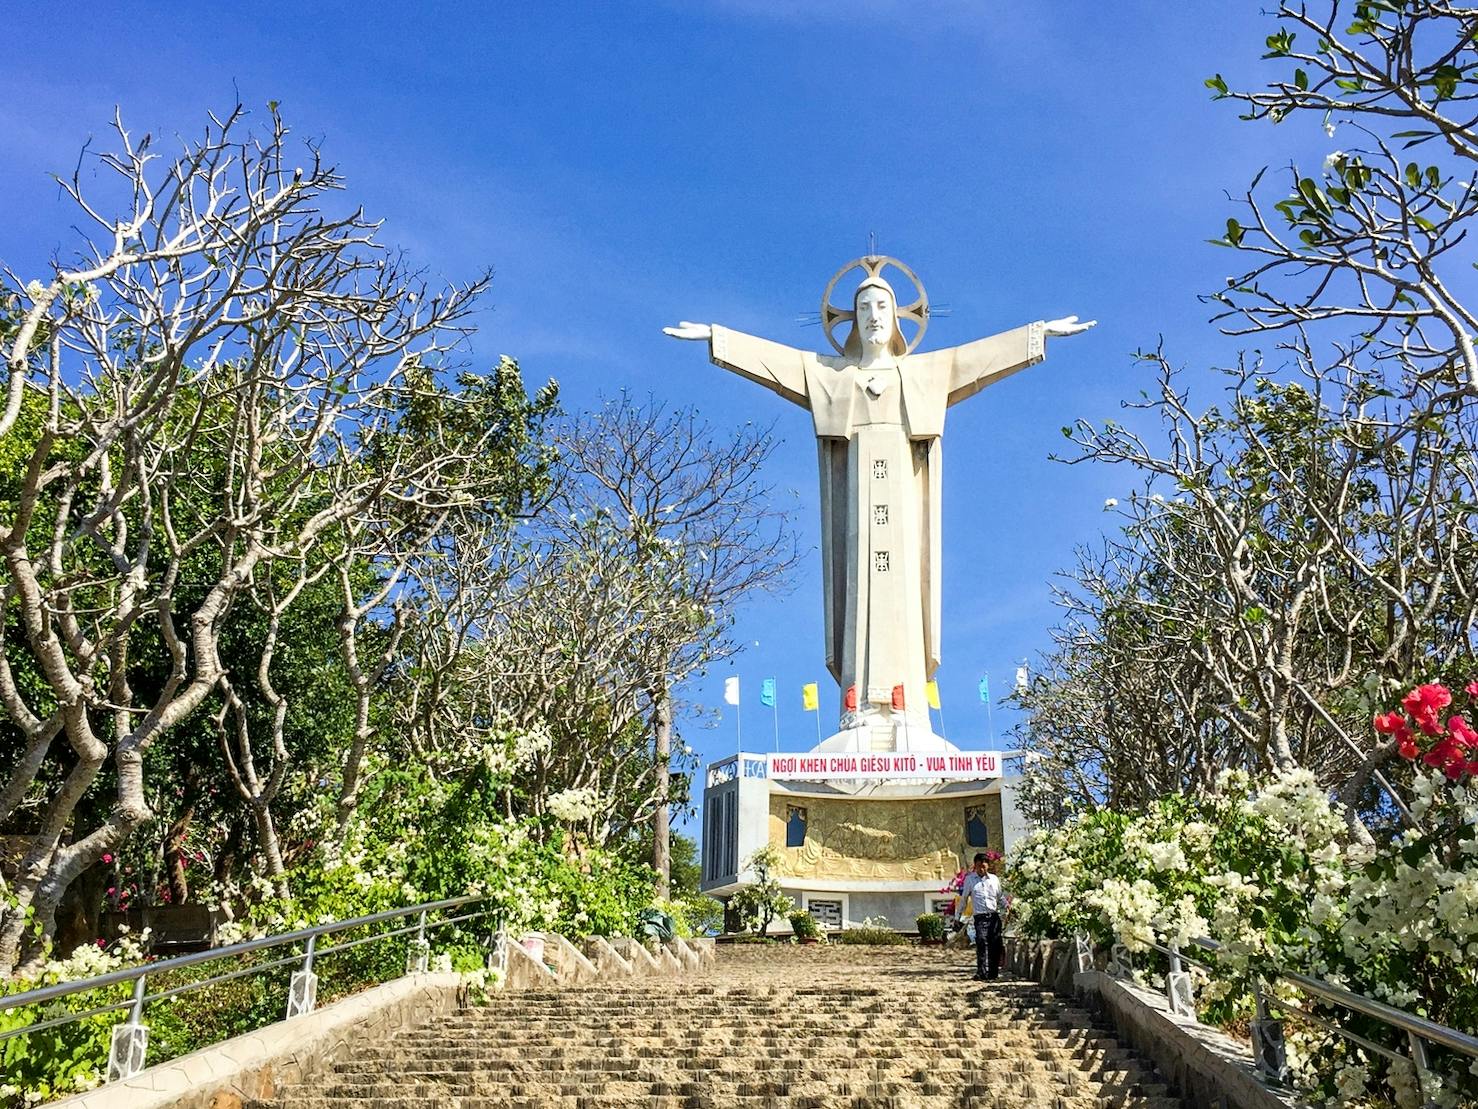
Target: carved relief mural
914	840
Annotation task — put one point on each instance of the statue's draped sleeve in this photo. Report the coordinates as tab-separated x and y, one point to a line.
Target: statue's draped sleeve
777	367
986	361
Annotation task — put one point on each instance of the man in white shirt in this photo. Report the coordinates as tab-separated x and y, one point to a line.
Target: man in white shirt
983	896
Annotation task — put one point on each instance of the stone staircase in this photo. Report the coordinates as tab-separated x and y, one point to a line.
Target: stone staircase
775	1026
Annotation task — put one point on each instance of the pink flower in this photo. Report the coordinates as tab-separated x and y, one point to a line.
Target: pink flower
107	858
102	942
111	891
1471	689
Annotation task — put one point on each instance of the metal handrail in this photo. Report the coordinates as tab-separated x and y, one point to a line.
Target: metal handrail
126	1056
1268	1051
1396	1018
129	974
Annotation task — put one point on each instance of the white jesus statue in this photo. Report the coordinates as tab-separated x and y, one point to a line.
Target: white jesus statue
879	416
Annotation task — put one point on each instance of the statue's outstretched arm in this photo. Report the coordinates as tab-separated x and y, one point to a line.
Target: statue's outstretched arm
986	361
777	367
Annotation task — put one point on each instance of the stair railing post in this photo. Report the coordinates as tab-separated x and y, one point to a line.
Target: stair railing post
1179	992
1268	1050
302	993
1425	1084
130	1042
1121	963
1084	952
419	956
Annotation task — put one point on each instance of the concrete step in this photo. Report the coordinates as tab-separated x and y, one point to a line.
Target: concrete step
790	1030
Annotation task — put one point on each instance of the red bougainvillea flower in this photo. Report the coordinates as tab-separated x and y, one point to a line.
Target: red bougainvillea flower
1462	731
1407	747
107	858
1447	753
1424	703
1471	689
1389	723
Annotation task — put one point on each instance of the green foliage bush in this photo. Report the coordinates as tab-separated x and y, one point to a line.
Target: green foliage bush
874	935
803	924
696	915
1272	873
930	925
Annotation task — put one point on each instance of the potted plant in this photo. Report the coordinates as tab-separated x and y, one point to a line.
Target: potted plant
931	929
803	926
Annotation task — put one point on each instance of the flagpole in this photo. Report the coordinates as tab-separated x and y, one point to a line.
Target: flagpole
775	711
943	734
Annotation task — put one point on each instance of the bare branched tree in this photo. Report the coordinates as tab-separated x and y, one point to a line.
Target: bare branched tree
1314	553
672	487
202	388
1374	237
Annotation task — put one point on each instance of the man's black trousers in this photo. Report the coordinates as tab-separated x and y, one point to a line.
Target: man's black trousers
989	946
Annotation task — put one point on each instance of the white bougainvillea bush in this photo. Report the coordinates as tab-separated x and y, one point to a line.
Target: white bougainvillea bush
1271	871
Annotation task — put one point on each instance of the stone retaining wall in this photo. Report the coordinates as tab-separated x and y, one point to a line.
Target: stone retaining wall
1205	1066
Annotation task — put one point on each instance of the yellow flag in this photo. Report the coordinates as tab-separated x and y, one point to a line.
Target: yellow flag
931	691
809	697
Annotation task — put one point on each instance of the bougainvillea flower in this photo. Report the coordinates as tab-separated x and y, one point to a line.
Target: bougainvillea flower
1471	688
1447	753
1407	747
1462	731
1424	703
1388	723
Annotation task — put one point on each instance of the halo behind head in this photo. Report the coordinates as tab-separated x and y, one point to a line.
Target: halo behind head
872	277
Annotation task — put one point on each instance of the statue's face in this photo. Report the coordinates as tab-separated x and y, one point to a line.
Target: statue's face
875	316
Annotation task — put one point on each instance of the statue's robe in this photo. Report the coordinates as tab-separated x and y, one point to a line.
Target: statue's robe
878	436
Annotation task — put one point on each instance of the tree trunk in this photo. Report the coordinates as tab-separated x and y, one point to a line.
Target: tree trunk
661	819
271	850
174	855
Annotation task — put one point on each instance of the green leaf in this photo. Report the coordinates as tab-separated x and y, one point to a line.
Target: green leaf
1216	84
1234	232
1279	44
1300	79
1444	81
1413	175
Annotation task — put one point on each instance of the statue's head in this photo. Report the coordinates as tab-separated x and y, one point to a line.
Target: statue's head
876	326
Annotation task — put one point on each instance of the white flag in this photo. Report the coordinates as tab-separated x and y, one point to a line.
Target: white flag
1021	679
731	691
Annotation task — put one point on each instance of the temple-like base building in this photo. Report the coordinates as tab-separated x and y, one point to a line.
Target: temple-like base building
858	843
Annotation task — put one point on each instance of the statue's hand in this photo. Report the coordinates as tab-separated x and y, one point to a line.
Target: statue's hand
1068	325
686	330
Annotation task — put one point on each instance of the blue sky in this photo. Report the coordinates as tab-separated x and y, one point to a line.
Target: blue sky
624	166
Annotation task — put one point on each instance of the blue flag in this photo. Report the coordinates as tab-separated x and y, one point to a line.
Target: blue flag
767	692
985	689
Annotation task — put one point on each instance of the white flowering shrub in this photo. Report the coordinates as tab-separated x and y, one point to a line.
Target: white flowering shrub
54	1062
1270	871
